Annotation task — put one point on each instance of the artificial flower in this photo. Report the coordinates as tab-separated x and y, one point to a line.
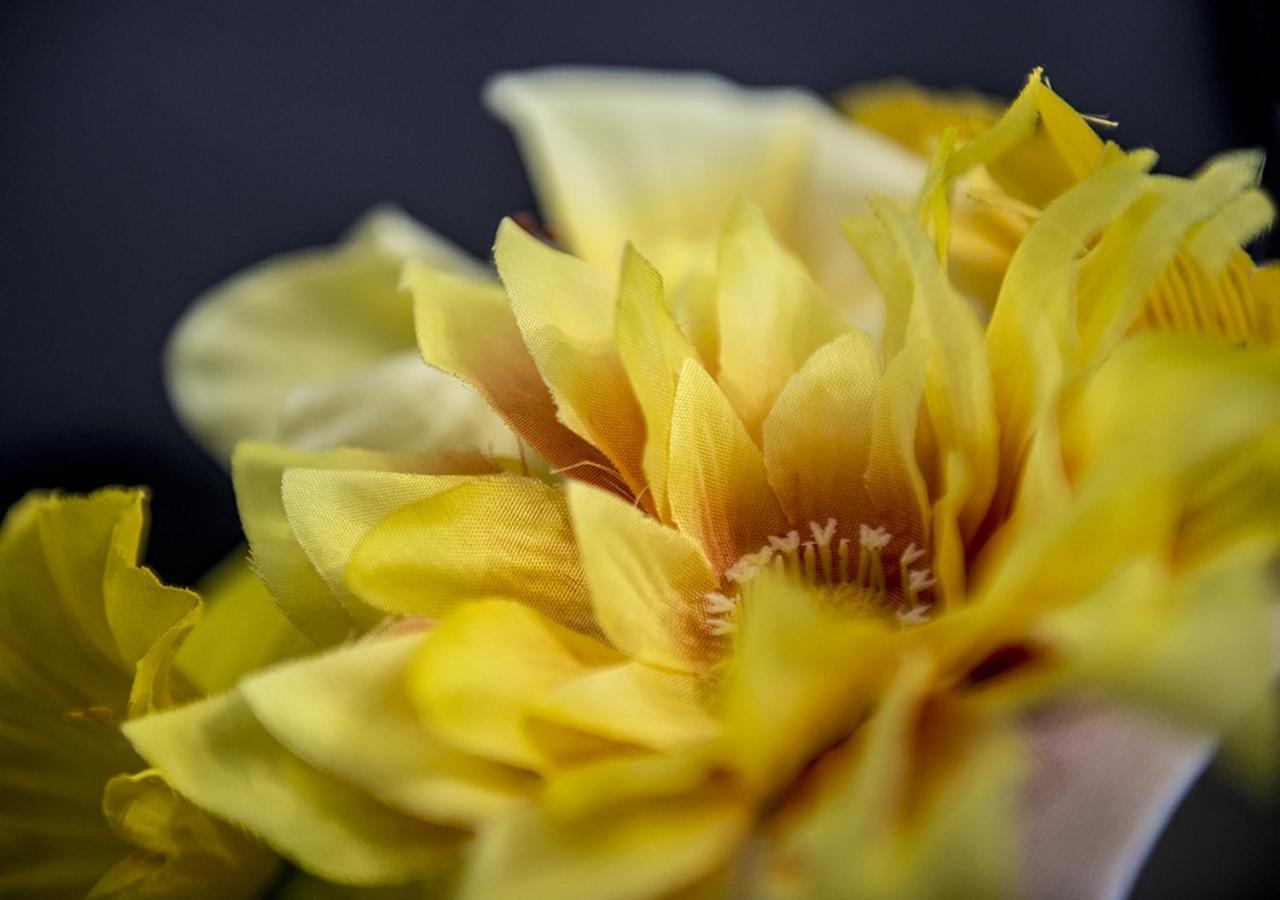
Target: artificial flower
807	601
87	641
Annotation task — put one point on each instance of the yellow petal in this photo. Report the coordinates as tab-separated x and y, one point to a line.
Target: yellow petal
647	581
348	712
652	349
465	328
565	309
772	316
1031	335
485	666
331	510
303	596
801	680
217	754
1138	248
915	117
925	795
632	703
493	536
185	852
818	435
648	849
242	629
305	317
719	490
957	396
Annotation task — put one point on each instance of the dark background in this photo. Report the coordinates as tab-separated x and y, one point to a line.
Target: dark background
148	150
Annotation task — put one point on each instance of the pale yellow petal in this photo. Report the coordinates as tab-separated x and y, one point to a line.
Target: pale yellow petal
331	510
1031	336
302	595
304	317
659	159
647	581
399	404
924	795
241	630
720	493
802	679
183	852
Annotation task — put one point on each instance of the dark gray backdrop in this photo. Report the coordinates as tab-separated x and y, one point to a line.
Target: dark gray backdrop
149	149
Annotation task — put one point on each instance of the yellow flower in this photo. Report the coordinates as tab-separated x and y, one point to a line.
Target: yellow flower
803	594
87	641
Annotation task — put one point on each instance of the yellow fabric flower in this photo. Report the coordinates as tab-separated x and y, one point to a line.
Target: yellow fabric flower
87	641
781	632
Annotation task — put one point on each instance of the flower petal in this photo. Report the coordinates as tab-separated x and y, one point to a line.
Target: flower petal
310	316
465	328
719	490
348	713
217	754
632	703
817	436
650	849
659	159
399	404
772	316
496	536
647	581
565	309
485	666
652	349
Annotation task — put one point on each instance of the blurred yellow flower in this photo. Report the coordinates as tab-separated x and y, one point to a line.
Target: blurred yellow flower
804	591
87	641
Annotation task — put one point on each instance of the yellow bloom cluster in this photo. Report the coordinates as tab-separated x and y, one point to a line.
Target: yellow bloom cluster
751	533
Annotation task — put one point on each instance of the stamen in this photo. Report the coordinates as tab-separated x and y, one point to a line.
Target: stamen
816	559
822	536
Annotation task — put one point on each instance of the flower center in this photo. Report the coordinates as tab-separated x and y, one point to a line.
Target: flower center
824	562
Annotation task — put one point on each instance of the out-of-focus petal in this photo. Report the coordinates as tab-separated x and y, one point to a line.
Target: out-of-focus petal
397	405
652	848
311	316
220	757
347	712
483	669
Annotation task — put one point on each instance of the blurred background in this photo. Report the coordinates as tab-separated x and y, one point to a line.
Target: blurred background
149	149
